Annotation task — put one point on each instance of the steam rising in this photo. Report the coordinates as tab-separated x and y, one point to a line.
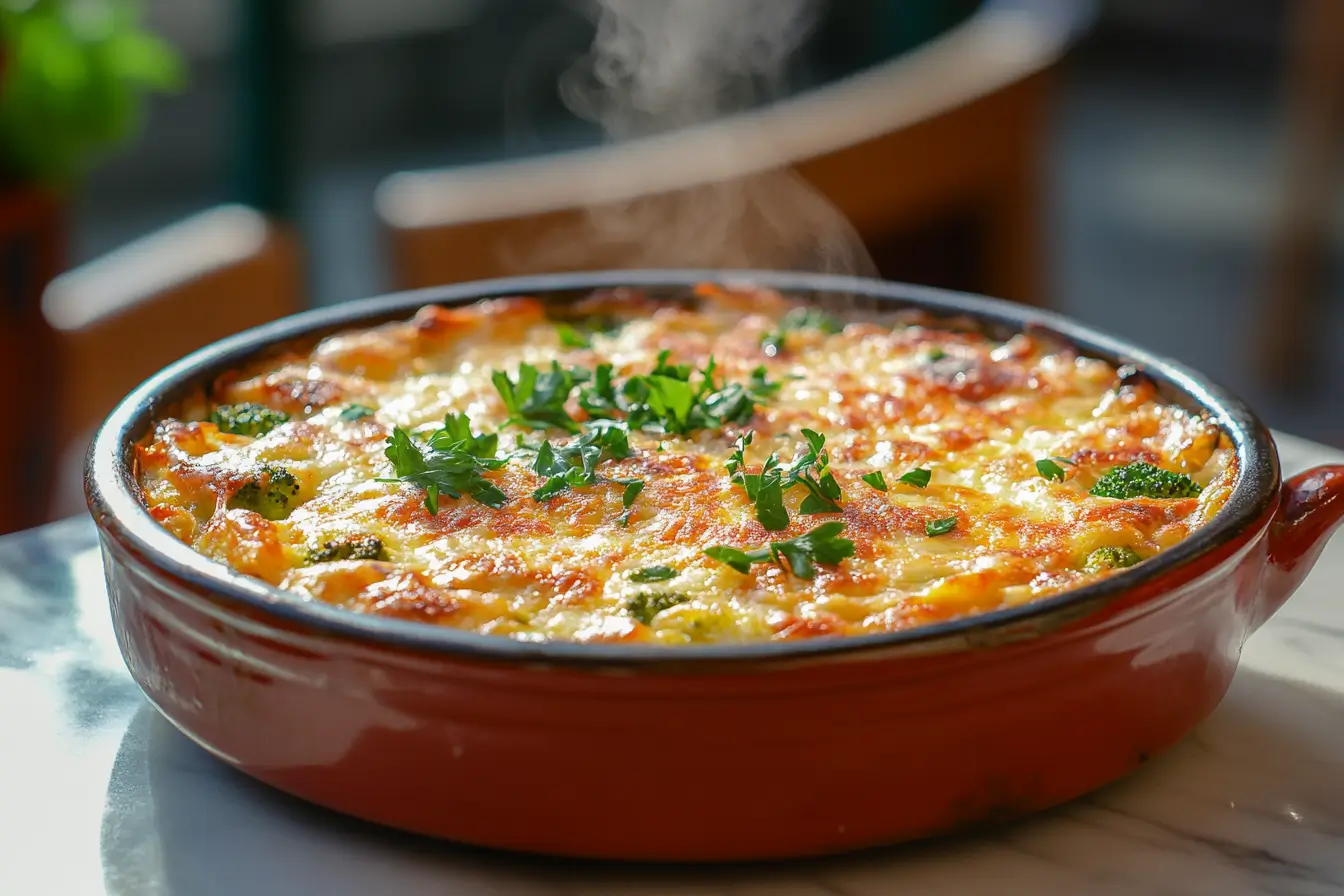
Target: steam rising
661	65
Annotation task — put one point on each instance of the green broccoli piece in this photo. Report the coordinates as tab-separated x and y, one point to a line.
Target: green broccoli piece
348	547
1111	558
247	419
268	494
1141	480
648	604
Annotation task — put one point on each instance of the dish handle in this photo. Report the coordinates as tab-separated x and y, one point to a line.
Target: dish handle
1311	506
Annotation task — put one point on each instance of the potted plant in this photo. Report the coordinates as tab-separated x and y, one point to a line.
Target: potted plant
73	75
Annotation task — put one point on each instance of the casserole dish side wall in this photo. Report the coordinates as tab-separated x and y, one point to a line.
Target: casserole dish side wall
770	760
744	751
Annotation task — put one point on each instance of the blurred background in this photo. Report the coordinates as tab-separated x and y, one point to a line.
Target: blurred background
176	170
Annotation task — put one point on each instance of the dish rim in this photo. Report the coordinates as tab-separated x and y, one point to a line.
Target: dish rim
120	512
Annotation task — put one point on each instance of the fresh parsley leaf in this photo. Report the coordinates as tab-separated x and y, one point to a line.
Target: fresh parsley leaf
632	489
1050	470
653	574
737	558
823	490
876	480
940	527
760	384
445	466
919	477
575	465
570	337
457	431
537	400
737	461
764	489
821	545
599	398
353	412
669	401
770	508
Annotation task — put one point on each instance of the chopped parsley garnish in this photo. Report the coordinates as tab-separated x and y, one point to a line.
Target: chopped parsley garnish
918	477
450	463
766	489
823	490
668	401
247	419
1050	468
653	574
876	480
632	489
935	528
537	398
575	465
774	341
353	412
648	604
761	385
570	337
822	546
599	397
674	399
1142	480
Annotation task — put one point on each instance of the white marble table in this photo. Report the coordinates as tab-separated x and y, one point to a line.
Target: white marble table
98	795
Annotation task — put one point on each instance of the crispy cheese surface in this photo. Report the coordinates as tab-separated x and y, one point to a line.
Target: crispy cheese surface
294	481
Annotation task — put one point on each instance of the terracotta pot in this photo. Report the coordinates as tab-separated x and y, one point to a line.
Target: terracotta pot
702	753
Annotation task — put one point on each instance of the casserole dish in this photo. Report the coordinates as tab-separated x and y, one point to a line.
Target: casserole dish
706	752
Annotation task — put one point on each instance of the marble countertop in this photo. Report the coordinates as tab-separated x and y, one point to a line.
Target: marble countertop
99	795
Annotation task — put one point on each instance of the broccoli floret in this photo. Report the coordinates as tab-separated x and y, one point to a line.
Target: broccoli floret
648	604
247	419
1140	480
348	547
268	494
1111	558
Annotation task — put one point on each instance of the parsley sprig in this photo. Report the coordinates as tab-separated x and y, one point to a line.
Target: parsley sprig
450	463
672	399
766	489
822	545
536	399
575	465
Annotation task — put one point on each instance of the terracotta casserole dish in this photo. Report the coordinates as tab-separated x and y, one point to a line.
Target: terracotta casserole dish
702	752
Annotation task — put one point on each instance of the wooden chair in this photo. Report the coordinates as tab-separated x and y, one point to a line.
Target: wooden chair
942	140
32	251
123	316
1290	317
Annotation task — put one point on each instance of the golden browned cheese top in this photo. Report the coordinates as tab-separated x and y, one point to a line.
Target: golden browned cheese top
890	395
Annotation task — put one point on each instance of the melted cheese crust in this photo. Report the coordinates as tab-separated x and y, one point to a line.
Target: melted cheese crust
890	394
